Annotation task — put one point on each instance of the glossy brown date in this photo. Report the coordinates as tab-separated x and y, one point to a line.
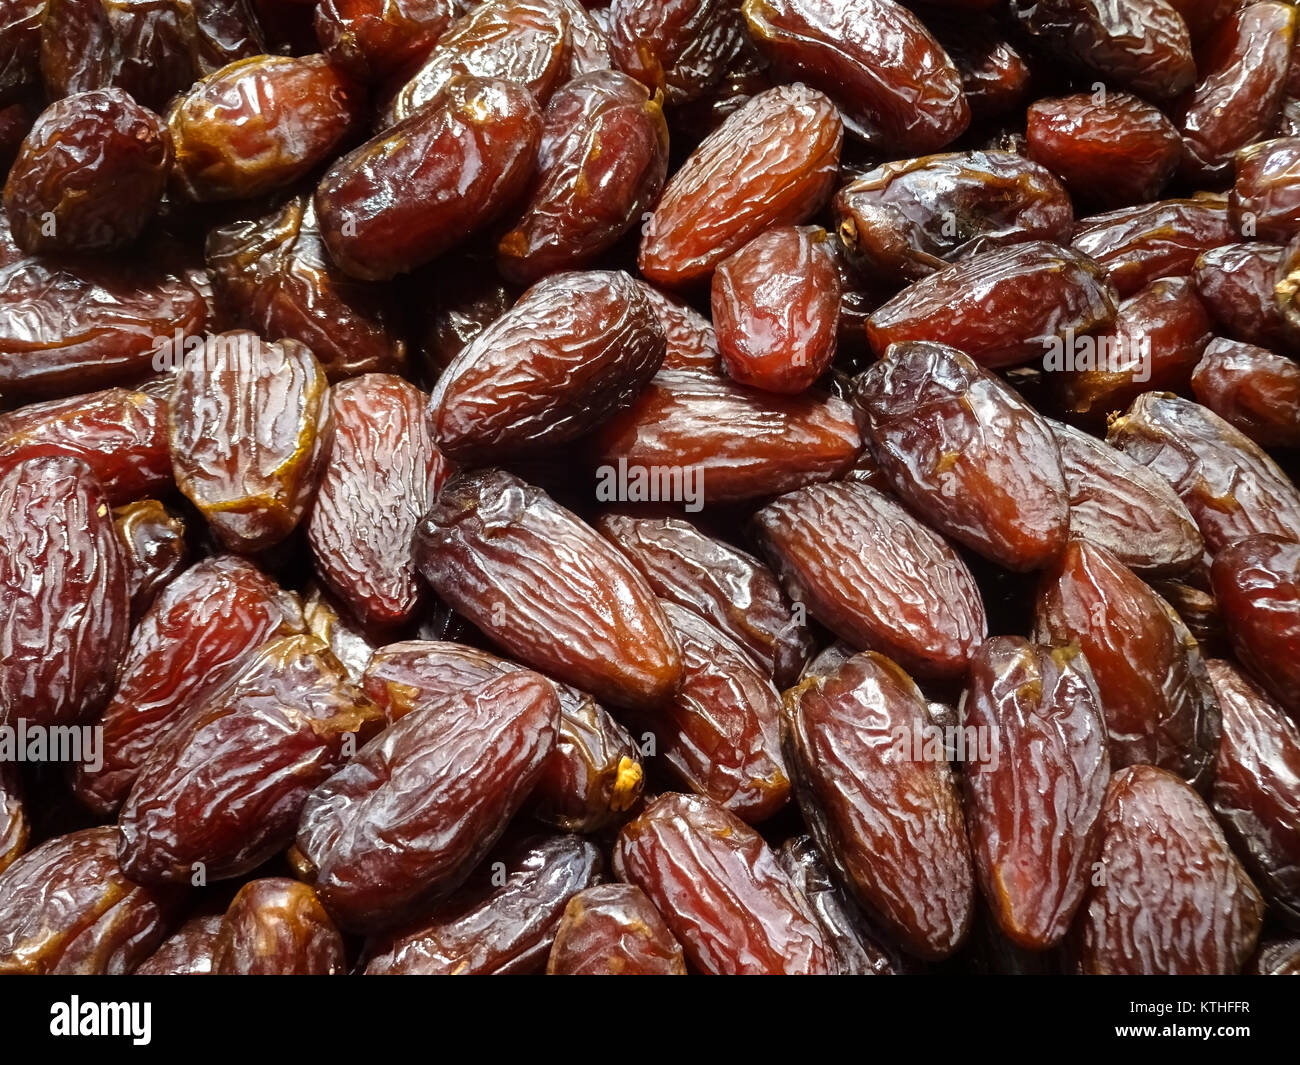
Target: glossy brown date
1257	584
1136	245
967	454
730	589
614	930
776	305
1265	197
1237	99
1159	705
1000	307
1142	45
895	86
1113	151
381	473
155	550
1237	283
503	920
187	951
591	777
531	575
1173	900
120	434
731	443
875	576
66	616
20	46
89	176
1230	486
371	39
200	633
1252	389
747	175
277	927
906	220
249	427
418	189
1124	507
273	275
994	74
1255	795
1034	812
414	812
720	889
258	125
574	350
887	819
602	163
221	791
681	48
66	908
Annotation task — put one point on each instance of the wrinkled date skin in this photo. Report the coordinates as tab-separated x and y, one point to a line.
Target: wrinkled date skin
259	125
381	473
1111	152
1034	812
1252	389
521	41
721	891
601	164
682	48
349	640
1124	507
692	341
490	927
739	443
187	951
1257	786
994	75
1237	284
15	828
1136	245
249	426
67	908
417	809
1158	337
66	326
155	550
911	218
593	774
548	588
89	176
1160	707
1142	45
371	39
1174	899
152	50
272	275
614	930
64	606
1001	307
223	787
875	576
277	927
856	944
1243	71
1230	486
20	46
200	633
576	348
121	435
413	192
1257	584
895	86
730	589
969	456
889	822
772	162
721	734
776	306
1265	197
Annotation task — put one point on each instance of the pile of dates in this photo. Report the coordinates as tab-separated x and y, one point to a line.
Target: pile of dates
679	486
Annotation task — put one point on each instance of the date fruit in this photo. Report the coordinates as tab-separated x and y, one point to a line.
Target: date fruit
277	927
614	930
1252	389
